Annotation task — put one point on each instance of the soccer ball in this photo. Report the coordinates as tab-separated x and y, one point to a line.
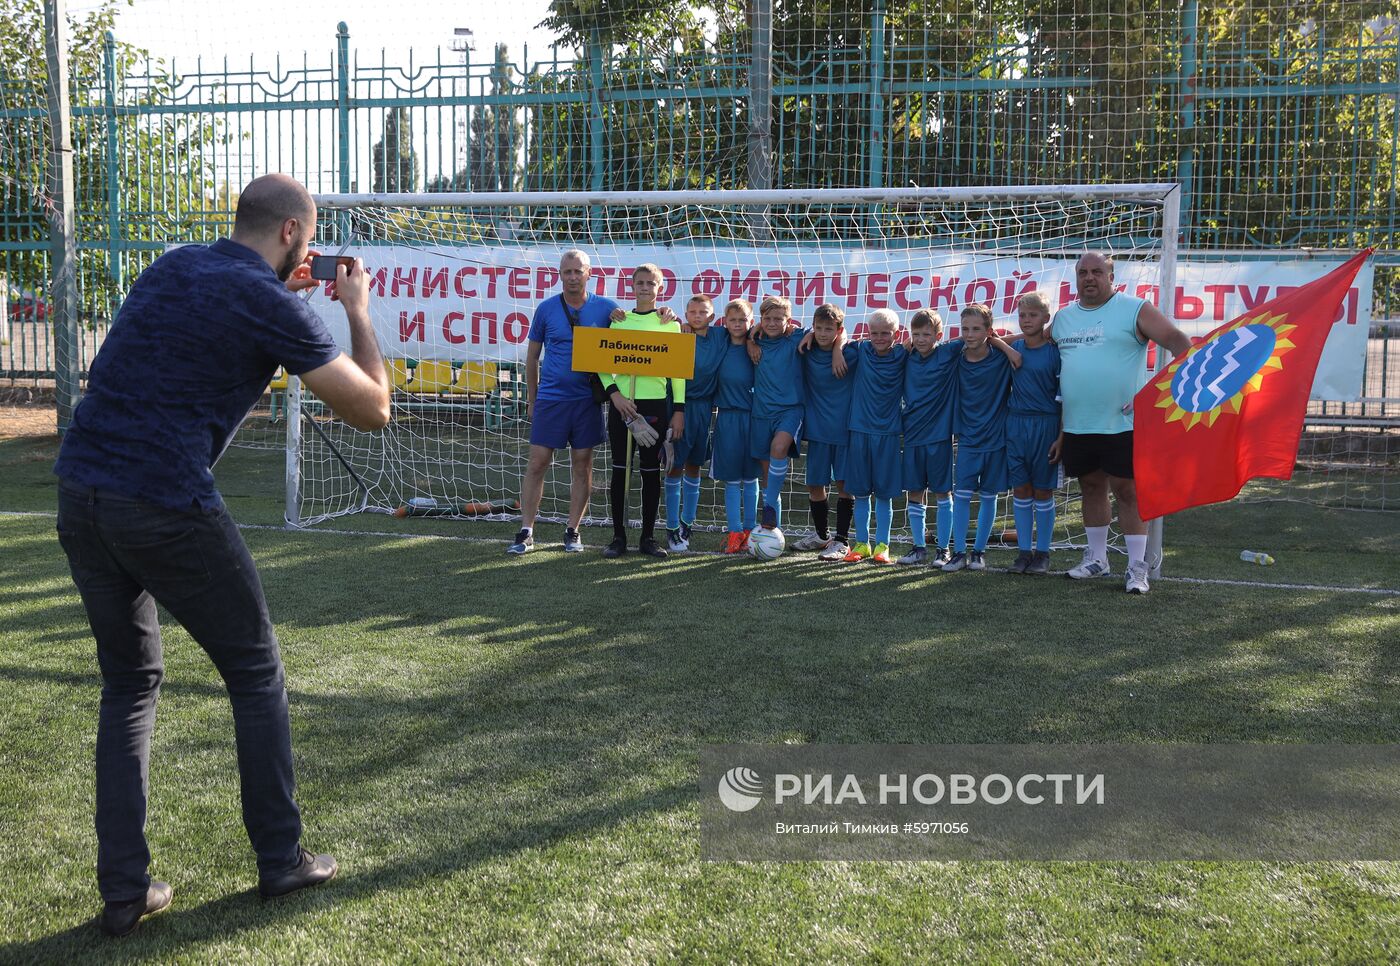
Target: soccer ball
766	544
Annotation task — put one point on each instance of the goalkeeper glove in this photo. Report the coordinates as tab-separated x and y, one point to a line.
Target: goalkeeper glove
668	454
641	431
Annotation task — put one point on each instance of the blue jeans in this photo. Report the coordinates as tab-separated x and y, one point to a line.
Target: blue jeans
127	555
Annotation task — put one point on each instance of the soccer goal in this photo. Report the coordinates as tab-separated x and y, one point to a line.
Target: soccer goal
456	279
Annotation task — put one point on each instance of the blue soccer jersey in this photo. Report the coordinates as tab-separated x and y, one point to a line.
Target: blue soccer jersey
983	388
1035	386
828	413
877	391
778	382
709	352
930	391
734	378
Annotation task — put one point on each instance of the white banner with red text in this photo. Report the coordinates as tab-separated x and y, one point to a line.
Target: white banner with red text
475	303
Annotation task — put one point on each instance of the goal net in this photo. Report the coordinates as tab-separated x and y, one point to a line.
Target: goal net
456	280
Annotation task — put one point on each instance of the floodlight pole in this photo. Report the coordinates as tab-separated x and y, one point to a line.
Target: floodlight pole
63	268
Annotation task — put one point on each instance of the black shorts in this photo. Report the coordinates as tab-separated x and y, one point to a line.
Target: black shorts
1083	453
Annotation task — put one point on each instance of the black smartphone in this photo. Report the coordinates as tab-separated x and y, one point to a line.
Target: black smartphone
323	266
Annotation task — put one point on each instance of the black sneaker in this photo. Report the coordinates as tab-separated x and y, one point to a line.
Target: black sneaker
121	918
573	543
651	548
770	518
1040	563
1023	562
310	870
615	549
524	543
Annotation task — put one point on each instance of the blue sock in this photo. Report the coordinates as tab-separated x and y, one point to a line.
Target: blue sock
750	504
943	516
1044	524
690	499
733	506
986	518
1023	512
916	524
884	516
962	514
673	502
862	519
773	492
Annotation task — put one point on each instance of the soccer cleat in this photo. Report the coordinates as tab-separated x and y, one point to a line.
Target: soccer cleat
616	548
812	542
524	543
769	518
917	556
676	541
745	545
1040	563
956	562
1089	568
1136	582
881	554
686	531
651	548
835	552
573	543
1023	560
942	557
734	543
857	553
976	560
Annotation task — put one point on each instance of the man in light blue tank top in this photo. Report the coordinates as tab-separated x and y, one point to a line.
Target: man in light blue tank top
1102	340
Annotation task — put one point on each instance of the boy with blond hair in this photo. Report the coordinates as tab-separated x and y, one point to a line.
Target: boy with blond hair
730	462
872	455
692	450
1033	435
930	394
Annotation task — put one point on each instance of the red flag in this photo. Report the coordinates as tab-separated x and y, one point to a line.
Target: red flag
1231	409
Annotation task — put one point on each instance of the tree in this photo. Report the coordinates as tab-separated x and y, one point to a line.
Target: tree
171	196
395	160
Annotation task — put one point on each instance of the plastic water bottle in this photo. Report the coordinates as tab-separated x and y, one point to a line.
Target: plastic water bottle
1256	557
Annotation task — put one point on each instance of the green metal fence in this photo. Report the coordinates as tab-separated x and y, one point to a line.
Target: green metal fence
1280	121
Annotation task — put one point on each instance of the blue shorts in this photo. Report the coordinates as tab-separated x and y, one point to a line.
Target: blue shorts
694	445
929	467
981	471
762	429
729	458
1028	442
576	423
826	463
872	466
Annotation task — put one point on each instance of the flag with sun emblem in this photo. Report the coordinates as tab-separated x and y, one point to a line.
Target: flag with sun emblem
1231	409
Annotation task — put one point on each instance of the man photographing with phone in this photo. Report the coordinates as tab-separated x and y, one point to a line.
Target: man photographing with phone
192	349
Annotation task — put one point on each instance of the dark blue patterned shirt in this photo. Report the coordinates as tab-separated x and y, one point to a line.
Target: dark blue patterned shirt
192	349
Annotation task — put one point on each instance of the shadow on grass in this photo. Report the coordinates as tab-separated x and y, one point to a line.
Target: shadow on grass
451	707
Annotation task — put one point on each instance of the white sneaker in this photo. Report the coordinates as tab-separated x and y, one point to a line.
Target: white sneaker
811	542
835	552
1136	582
1089	568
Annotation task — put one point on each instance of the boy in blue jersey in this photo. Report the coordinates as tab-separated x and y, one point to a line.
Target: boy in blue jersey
872	453
693	448
1033	436
930	394
776	428
730	462
826	429
984	383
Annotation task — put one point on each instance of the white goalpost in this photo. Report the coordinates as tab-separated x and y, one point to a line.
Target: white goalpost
456	279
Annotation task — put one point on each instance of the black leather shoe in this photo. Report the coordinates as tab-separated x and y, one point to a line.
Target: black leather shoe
310	870
615	549
120	918
651	548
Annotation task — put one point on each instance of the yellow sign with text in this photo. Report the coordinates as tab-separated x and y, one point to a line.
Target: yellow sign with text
625	352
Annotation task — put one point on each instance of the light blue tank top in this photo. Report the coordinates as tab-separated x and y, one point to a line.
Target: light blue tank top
1103	363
